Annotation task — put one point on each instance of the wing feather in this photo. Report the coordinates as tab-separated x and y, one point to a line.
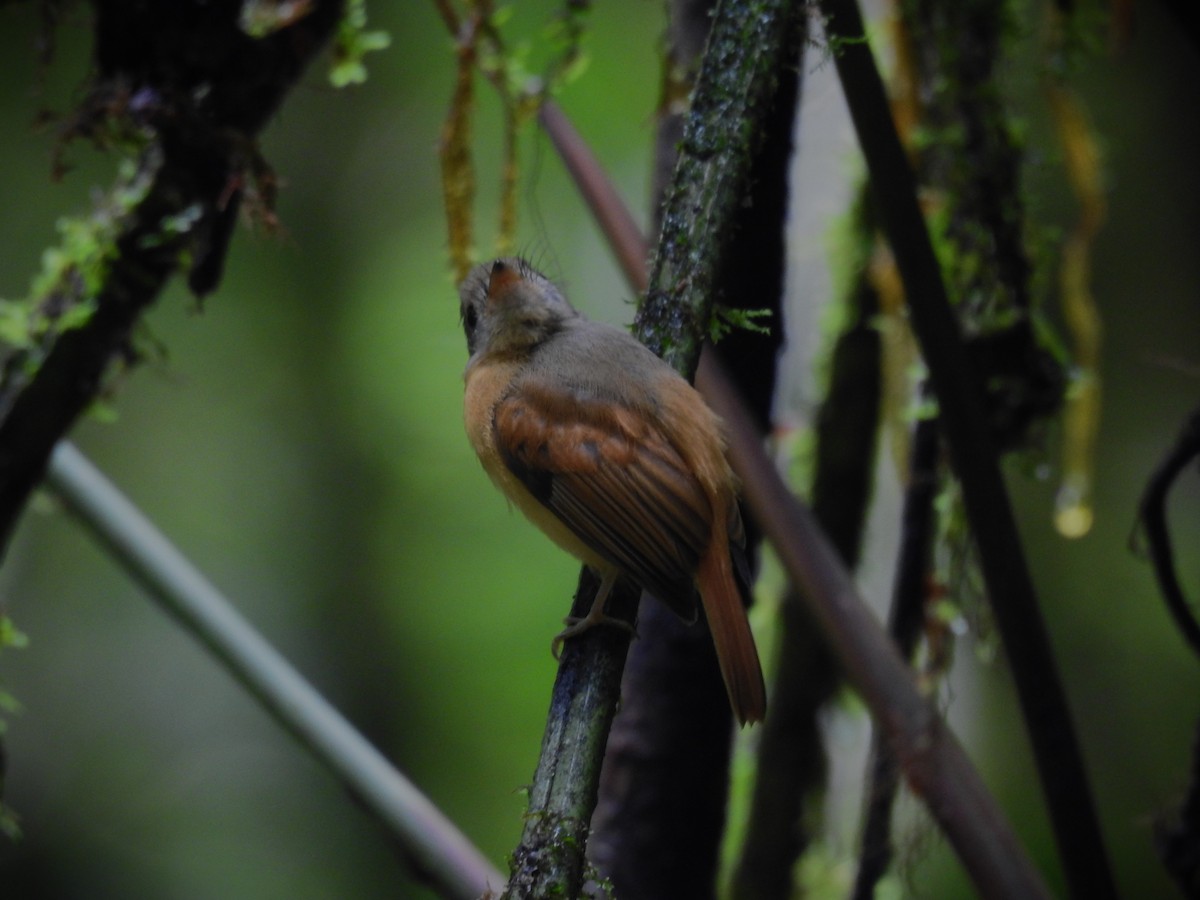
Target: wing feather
612	477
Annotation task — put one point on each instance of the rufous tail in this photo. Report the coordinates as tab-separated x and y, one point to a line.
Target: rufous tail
736	653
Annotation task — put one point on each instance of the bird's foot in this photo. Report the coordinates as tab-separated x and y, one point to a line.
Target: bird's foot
577	625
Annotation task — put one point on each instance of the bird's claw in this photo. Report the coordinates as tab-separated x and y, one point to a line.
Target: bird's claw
577	625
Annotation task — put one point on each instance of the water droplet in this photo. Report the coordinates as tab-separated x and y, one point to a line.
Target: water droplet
1073	514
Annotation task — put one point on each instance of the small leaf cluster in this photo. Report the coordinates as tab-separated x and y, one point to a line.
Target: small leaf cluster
352	43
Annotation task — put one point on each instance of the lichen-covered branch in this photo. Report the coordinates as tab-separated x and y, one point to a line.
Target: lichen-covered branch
967	163
746	49
550	860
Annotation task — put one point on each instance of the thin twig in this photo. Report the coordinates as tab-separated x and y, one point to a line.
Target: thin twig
1153	512
439	852
961	408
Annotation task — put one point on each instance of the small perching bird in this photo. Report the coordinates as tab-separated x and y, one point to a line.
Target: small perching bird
612	454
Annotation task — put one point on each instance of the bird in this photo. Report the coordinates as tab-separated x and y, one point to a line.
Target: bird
613	455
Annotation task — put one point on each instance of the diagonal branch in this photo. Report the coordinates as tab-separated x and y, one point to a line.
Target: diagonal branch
438	851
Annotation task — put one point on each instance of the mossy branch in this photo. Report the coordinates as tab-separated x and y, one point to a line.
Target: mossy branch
189	89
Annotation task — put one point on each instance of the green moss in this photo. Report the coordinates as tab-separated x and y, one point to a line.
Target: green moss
726	319
10	637
63	294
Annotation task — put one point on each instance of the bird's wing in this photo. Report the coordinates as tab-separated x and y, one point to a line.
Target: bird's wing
611	476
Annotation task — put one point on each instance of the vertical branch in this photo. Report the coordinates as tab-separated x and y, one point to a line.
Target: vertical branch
746	52
904	626
732	99
664	791
968	435
792	766
550	859
968	167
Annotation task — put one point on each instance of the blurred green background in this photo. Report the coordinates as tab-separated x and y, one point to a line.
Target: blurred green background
300	438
